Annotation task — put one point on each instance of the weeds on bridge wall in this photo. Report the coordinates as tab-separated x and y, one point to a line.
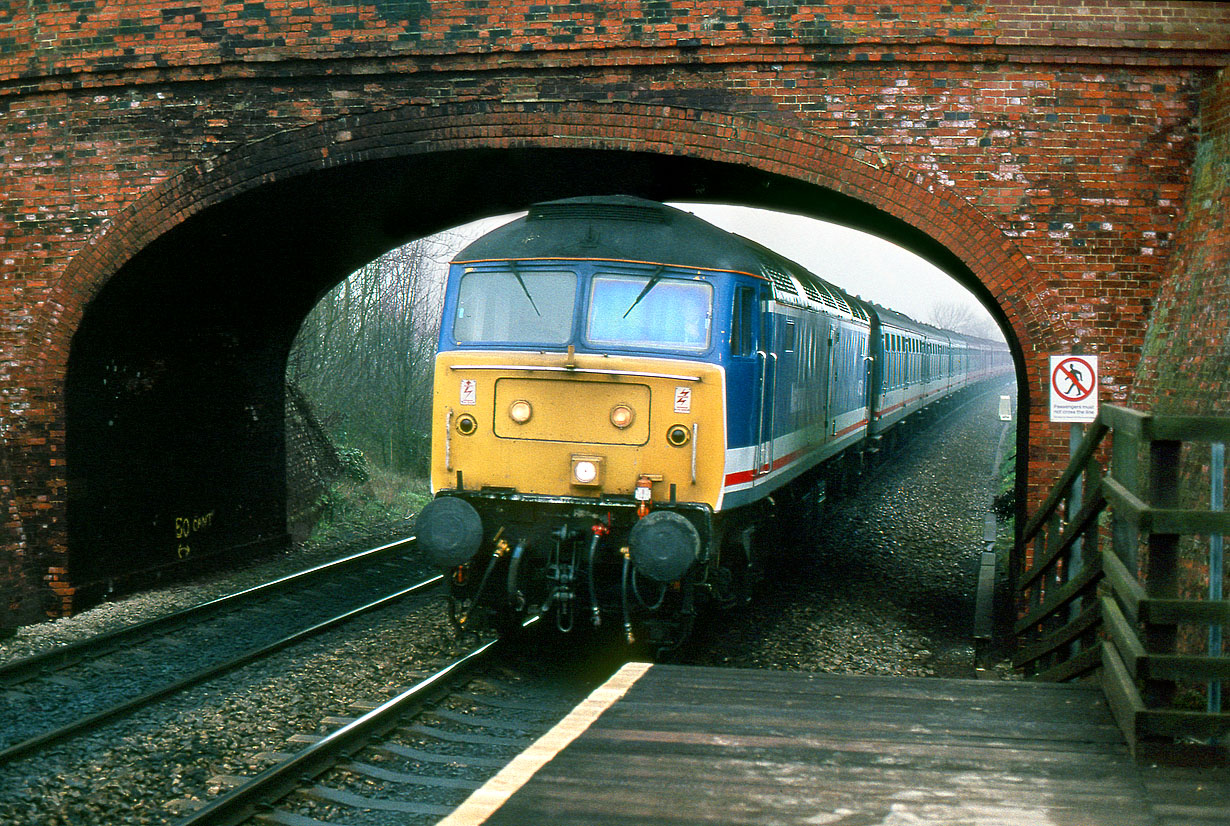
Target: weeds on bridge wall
383	506
359	379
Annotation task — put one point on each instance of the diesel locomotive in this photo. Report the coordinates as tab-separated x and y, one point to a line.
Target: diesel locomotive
626	397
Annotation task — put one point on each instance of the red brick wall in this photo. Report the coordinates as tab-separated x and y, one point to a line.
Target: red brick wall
1047	147
57	38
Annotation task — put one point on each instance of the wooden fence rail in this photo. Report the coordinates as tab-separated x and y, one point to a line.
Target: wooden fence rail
1101	594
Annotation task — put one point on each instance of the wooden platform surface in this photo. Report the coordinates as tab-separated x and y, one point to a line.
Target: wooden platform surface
687	745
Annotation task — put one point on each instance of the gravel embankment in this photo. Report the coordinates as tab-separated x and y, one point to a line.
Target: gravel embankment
889	591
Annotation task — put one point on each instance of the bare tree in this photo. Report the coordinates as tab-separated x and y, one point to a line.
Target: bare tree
962	318
364	356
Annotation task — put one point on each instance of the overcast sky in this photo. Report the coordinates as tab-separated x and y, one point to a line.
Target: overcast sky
859	263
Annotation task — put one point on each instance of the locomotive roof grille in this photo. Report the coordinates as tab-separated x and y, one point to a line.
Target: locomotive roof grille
781	280
834	300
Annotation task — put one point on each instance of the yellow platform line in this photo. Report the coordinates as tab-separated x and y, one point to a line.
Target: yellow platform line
492	795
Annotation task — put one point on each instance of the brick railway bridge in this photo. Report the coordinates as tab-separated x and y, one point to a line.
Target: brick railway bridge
179	183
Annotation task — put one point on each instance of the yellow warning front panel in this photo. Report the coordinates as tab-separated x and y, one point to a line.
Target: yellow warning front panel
571	401
571	410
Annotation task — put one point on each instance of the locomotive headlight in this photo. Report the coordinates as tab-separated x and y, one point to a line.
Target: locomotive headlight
587	470
520	411
466	424
622	416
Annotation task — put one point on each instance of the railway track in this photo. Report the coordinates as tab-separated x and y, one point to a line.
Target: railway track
53	697
411	759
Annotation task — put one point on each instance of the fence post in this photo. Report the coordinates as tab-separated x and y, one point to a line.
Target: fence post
1124	468
1076	495
1162	567
1217	470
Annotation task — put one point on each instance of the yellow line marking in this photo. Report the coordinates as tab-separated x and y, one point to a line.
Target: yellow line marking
492	795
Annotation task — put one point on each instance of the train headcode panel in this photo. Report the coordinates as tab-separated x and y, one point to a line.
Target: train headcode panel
626	396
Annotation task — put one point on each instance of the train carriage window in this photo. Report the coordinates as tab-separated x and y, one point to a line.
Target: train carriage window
788	337
525	307
896	360
650	312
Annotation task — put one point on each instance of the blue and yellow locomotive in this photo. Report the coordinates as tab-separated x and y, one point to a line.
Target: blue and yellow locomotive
620	387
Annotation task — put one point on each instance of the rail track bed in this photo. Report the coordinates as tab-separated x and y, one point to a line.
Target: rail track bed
51	697
413	758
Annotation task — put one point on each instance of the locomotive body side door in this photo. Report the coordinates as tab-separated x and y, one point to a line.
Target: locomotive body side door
767	362
744	376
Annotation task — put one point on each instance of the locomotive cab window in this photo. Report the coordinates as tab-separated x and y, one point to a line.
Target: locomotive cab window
649	312
519	307
744	322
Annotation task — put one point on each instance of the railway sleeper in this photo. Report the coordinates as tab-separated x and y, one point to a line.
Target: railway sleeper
391	776
327	794
420	730
422	756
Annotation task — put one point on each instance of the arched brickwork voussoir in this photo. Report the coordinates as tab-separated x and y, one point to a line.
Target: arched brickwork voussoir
164	341
937	211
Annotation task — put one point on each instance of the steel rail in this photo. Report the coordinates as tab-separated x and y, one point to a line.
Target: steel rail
18	670
278	781
25	747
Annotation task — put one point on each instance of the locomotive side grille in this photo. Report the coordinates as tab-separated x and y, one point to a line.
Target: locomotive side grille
596	212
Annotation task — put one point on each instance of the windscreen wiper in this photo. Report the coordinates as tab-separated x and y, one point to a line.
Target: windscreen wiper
525	289
653	280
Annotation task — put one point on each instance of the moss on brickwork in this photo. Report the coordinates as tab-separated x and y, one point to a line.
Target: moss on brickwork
1185	362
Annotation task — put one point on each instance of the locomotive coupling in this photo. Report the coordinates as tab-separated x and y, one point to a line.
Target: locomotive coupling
450	530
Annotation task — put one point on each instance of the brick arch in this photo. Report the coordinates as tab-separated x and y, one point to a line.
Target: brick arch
914	199
100	310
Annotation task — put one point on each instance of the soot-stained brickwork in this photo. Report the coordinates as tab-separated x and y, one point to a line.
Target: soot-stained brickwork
178	183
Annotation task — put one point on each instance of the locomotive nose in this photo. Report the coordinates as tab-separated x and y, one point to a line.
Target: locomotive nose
450	530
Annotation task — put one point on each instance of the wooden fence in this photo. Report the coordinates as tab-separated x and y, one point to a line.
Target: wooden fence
1101	595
